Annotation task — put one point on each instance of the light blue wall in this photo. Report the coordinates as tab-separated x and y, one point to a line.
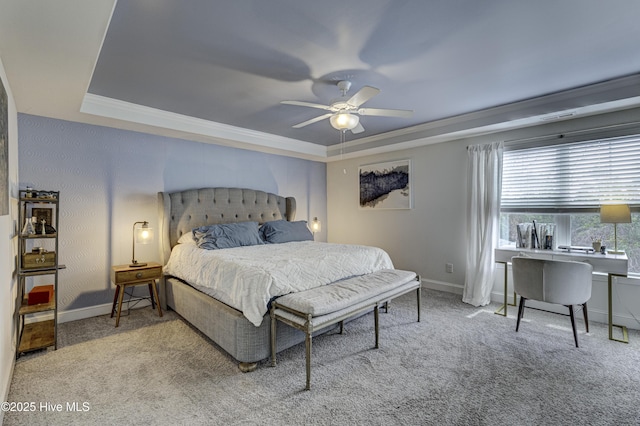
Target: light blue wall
109	178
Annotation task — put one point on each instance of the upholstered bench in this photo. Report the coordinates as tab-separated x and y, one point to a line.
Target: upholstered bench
317	308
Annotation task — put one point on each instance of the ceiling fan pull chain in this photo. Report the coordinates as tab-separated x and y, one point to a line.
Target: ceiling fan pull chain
342	137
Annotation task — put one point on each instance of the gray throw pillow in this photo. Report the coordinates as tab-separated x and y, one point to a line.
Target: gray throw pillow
282	231
227	235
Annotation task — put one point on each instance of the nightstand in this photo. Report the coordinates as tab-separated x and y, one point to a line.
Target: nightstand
124	276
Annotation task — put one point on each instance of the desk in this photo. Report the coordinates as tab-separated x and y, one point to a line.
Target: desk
614	265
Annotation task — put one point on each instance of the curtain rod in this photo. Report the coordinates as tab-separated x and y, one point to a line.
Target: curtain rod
573	133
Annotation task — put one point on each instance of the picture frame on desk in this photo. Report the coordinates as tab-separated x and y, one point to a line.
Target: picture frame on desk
46	214
43	213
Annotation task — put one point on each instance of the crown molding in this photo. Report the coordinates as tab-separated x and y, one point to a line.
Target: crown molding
357	149
219	133
604	97
608	96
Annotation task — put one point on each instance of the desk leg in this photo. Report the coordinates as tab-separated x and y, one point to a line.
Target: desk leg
120	296
115	300
502	310
625	334
153	303
155	294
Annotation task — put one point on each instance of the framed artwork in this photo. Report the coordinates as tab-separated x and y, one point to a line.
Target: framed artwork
4	151
386	185
43	213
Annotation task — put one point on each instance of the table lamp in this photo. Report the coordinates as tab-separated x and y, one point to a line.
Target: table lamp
316	226
615	213
141	235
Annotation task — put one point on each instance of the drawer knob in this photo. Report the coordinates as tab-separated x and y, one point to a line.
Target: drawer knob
139	275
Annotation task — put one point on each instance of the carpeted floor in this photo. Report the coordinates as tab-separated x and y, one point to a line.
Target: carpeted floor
460	366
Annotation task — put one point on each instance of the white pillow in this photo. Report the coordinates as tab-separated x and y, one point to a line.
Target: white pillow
187	238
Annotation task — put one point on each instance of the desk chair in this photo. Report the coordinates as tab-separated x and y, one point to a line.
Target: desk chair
553	281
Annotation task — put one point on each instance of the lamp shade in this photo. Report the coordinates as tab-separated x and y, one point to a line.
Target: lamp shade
141	235
344	121
615	213
144	234
316	226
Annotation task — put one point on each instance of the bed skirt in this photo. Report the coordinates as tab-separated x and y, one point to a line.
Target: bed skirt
226	326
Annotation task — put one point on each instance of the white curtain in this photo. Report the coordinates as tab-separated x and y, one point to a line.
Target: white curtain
484	183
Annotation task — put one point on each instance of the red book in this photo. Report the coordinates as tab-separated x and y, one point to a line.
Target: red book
40	294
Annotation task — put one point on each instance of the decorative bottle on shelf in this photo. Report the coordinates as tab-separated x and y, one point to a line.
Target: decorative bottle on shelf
28	228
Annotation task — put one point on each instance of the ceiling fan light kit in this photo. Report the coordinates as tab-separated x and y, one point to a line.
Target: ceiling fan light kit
345	114
344	121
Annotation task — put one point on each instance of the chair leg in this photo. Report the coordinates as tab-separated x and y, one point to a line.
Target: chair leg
520	312
586	317
376	325
573	324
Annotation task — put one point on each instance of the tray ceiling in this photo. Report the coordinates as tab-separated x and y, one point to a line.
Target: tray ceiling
217	71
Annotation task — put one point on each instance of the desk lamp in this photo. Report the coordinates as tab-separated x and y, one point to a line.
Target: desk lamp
141	235
615	213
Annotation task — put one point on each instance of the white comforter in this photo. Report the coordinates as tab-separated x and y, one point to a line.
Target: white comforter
246	278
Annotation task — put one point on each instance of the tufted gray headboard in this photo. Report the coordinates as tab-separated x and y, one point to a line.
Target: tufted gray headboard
180	212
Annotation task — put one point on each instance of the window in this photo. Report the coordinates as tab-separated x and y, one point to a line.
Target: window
566	183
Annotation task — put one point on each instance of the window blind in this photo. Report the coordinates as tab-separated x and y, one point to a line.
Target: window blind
572	177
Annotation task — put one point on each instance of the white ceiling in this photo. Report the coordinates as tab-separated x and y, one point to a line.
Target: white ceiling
216	71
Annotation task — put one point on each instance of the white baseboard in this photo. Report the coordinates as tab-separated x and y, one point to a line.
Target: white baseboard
93	311
442	286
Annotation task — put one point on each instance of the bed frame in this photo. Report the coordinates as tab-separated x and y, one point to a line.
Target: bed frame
180	212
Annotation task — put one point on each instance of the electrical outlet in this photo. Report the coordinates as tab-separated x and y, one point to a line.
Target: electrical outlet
450	268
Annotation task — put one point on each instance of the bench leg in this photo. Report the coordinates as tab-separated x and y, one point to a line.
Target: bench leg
273	337
376	322
418	296
309	332
308	350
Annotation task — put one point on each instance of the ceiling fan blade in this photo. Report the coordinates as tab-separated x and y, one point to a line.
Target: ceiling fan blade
363	95
306	104
357	129
380	112
313	120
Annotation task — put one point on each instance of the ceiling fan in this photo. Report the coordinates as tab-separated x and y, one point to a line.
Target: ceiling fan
344	112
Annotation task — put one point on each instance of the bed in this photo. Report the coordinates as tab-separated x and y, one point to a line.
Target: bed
239	323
